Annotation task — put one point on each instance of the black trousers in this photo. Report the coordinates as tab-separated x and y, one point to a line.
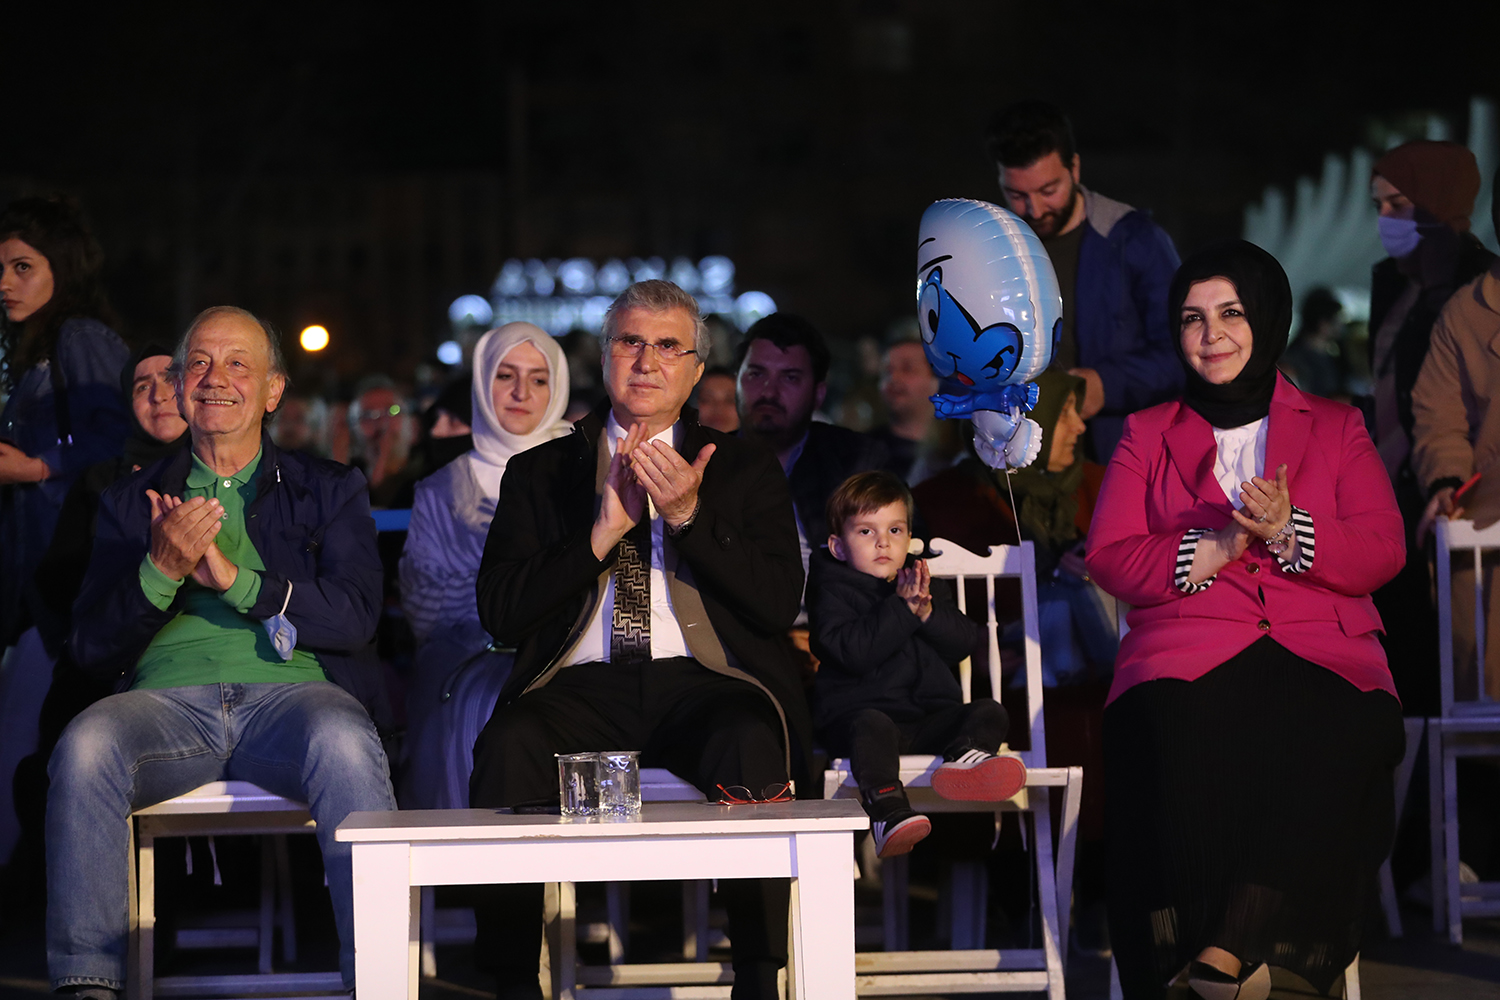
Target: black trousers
704	727
874	742
1249	809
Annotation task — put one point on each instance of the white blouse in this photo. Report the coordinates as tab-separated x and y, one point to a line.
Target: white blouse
1242	456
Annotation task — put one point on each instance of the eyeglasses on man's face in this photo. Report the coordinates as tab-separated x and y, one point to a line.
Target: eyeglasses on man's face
667	351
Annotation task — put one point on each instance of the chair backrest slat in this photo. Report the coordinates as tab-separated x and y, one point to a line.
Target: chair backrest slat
1479	621
951	561
966	665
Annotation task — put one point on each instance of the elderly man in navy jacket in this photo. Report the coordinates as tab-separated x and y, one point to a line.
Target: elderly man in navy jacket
230	590
1113	265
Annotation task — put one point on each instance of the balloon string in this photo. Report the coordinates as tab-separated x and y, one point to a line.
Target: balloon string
1013	512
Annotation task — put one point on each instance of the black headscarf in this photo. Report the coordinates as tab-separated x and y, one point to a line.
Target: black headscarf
142	448
1267	297
457	398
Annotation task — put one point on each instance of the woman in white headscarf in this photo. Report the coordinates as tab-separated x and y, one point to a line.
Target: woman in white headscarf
520	395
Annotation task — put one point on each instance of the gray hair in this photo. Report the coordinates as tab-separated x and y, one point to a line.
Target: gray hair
273	339
273	343
658	295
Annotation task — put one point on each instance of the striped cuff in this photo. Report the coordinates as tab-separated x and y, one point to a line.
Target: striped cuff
1302	527
1186	549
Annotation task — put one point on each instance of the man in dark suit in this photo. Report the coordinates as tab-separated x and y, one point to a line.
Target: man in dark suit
646	568
782	374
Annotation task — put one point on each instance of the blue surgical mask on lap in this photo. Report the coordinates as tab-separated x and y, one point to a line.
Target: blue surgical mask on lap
1399	236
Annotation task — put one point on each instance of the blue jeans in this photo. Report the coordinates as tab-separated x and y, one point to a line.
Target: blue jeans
312	742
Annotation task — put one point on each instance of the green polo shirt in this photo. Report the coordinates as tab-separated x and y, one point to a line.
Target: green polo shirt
213	640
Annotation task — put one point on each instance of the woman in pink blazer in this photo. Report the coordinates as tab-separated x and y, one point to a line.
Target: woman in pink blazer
1253	726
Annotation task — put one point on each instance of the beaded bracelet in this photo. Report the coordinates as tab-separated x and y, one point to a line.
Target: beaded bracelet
1277	543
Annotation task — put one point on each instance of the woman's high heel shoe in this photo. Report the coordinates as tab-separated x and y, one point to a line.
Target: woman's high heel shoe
1253	983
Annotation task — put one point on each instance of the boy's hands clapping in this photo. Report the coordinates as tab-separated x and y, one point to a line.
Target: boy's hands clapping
912	584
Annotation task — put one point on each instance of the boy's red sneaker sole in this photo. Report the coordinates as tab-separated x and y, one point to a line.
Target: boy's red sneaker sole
993	780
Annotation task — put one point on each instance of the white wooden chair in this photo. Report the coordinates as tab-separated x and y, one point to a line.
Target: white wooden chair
1466	728
220	808
971	967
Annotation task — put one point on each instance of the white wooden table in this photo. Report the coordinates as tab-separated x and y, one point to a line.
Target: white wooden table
810	842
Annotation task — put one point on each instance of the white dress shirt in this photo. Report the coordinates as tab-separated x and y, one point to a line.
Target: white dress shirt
666	635
1241	456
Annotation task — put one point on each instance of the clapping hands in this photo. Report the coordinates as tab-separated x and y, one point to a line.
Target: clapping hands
642	468
1268	505
1267	511
624	500
182	540
913	585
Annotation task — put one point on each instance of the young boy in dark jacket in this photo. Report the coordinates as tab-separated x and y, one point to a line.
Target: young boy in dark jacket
885	685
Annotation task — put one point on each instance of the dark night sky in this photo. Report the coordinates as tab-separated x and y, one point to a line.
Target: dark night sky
803	139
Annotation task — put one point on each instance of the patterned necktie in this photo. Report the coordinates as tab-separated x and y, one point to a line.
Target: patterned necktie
630	631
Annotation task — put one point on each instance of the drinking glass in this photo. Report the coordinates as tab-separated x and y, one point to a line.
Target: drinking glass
620	784
578	783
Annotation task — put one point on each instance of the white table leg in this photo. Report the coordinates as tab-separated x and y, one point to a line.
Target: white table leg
823	917
387	937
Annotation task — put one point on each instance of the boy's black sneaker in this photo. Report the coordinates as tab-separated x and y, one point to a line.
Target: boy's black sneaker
895	825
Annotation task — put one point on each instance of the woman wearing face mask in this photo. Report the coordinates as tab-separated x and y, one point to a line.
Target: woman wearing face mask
520	394
1253	726
1424	192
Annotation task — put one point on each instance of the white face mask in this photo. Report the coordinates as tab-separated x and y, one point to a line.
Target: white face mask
281	630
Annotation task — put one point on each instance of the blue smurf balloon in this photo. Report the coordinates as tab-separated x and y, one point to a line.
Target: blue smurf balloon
990	312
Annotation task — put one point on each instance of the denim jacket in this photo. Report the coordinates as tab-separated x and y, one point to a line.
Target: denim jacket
89	356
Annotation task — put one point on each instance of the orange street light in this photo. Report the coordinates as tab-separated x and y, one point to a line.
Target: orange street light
314	338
